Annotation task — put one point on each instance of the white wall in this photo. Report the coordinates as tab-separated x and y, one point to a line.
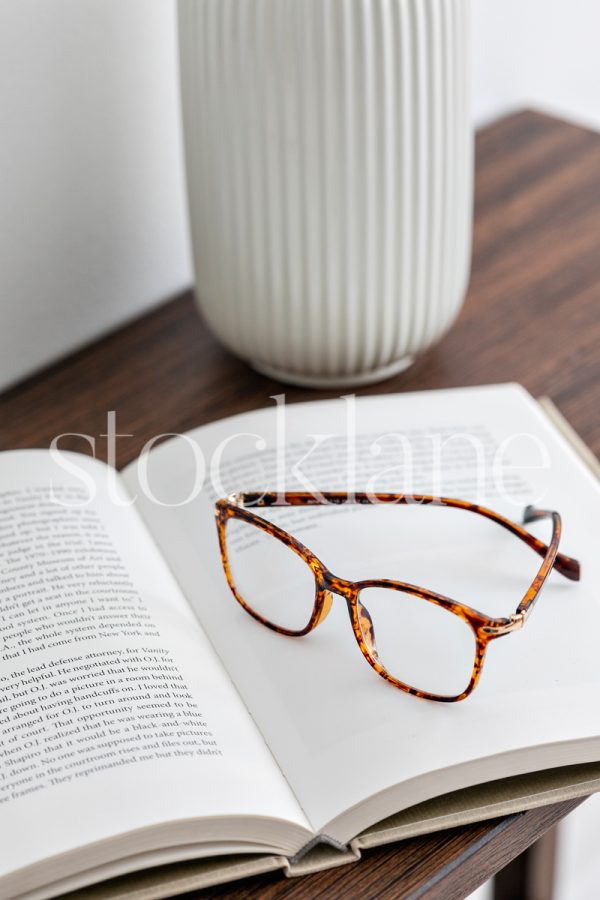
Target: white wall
92	212
541	53
92	225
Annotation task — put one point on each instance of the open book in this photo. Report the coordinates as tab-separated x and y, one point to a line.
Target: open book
147	719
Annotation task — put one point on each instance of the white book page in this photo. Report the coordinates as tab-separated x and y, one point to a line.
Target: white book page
339	732
115	712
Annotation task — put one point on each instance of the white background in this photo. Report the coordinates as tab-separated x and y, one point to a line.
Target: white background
92	210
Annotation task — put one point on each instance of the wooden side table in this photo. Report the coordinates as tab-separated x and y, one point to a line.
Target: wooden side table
532	315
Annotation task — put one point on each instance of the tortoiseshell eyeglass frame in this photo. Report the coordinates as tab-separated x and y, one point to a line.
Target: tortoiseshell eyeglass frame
485	628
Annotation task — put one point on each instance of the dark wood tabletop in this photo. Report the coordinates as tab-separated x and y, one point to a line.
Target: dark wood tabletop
532	315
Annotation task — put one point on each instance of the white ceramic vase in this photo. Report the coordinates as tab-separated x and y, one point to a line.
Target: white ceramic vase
330	172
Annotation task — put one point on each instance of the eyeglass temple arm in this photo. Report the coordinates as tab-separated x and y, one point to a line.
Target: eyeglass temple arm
570	568
566	565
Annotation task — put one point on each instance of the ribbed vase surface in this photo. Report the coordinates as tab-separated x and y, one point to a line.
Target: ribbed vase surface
330	174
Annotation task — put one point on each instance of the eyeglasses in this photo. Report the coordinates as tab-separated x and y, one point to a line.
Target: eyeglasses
436	644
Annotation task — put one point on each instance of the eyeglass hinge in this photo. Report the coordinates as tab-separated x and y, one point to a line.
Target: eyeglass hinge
517	620
236	499
513	623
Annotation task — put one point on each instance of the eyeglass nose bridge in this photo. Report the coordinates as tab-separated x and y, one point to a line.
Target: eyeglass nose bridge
363	627
339	586
328	585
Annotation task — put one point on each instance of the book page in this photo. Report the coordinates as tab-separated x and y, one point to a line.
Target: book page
114	709
340	733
